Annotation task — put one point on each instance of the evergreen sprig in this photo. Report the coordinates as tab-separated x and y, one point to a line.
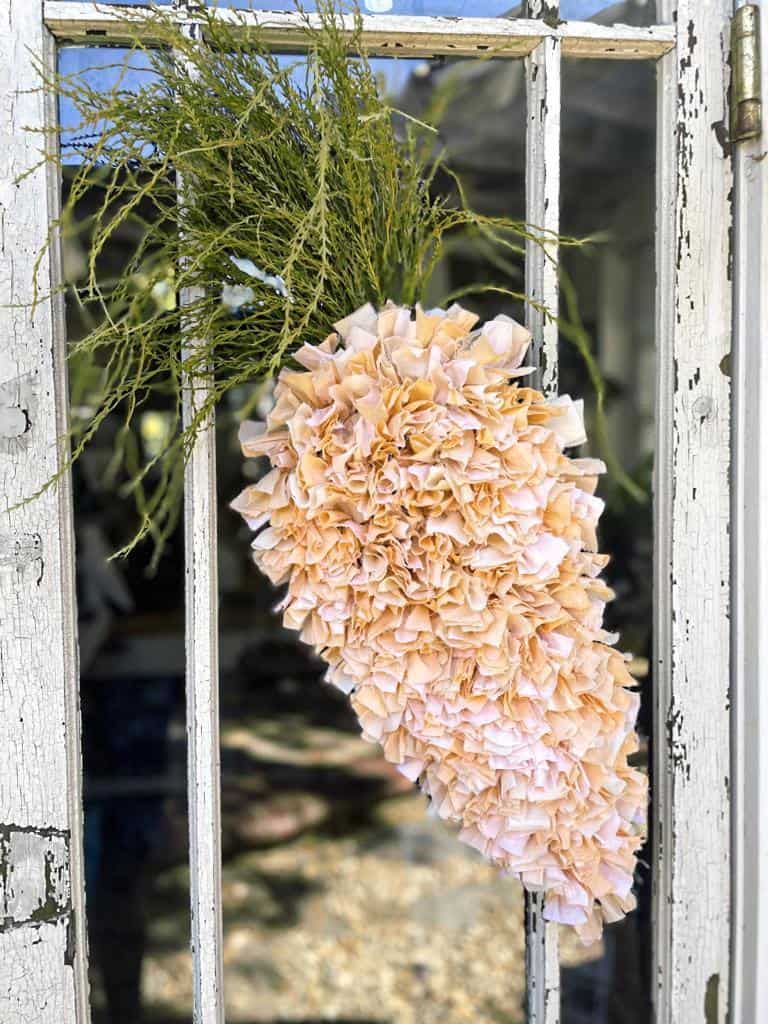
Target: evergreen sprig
302	172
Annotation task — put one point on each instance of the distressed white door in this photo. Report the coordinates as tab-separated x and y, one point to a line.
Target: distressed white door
704	962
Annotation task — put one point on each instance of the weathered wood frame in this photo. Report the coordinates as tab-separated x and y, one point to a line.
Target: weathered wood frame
43	954
202	683
39	725
749	998
692	595
398	36
542	201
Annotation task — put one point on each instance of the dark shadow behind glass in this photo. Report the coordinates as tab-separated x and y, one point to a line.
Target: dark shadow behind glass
344	900
608	181
131	635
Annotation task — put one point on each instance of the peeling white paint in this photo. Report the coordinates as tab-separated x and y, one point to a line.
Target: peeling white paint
398	35
42	935
692	728
34	877
202	685
542	178
40	982
18	408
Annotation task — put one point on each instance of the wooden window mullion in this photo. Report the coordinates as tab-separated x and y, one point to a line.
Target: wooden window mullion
542	182
692	882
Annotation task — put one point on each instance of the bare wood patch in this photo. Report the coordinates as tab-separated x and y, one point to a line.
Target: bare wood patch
18	404
34	876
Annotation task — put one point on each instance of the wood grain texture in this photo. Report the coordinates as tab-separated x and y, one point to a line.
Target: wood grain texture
692	777
42	931
749	999
542	177
395	35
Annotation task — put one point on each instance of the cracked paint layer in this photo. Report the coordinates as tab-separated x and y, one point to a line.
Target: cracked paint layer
18	408
42	940
34	876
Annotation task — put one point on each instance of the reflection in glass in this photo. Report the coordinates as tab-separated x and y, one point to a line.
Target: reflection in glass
131	637
134	751
453	8
609	12
135	3
607	178
344	900
626	12
608	154
102	69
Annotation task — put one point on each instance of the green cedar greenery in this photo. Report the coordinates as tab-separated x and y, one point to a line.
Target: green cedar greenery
303	169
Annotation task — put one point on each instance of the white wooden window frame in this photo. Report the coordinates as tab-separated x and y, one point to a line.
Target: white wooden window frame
703	964
749	998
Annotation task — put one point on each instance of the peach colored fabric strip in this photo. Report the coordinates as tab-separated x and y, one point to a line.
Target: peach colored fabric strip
440	554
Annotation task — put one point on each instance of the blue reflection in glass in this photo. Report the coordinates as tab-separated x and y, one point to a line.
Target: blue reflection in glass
574	9
570	9
135	3
102	68
451	8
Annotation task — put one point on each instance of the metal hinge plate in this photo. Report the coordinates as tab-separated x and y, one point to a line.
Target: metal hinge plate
746	101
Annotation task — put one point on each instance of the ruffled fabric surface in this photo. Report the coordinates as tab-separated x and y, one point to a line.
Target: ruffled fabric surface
440	554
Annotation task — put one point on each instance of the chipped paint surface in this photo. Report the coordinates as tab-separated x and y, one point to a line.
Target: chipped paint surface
42	941
542	177
692	825
18	408
400	35
41	983
712	1000
202	687
547	10
34	877
21	556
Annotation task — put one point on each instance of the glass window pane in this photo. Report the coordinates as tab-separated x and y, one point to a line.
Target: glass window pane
628	12
344	900
131	638
607	180
454	8
467	8
132	3
608	152
102	68
625	12
609	12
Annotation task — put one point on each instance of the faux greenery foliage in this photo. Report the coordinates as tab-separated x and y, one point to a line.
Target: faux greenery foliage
291	188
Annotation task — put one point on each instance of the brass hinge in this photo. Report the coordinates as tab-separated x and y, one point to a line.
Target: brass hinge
746	103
